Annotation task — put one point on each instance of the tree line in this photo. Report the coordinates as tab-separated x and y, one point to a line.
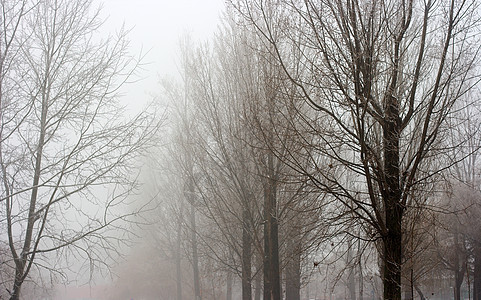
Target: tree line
332	134
308	143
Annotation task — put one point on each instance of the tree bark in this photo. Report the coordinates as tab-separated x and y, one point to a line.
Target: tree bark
361	281
246	257
15	295
22	259
229	286
392	200
293	269
258	287
392	257
459	269
272	289
477	273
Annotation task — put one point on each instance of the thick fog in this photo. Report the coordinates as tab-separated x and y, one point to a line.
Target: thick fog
250	149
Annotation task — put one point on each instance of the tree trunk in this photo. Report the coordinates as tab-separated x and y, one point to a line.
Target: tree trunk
21	261
361	282
459	269
293	269
392	257
17	285
272	287
258	287
391	195
457	291
246	257
420	293
178	252
458	282
477	273
195	256
229	286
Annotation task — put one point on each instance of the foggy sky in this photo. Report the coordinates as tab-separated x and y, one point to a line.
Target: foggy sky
156	26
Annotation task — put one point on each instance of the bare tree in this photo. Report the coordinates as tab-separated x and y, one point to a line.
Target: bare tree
227	175
467	174
381	78
67	154
238	95
462	194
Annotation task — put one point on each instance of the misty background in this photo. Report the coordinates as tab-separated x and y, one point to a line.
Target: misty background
249	149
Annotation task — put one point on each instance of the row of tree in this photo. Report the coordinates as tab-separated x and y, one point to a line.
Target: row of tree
309	139
333	134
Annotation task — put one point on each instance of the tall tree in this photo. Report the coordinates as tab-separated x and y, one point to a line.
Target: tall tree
237	131
465	177
381	77
225	160
66	152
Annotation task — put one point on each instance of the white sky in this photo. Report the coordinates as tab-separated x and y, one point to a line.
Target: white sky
156	27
